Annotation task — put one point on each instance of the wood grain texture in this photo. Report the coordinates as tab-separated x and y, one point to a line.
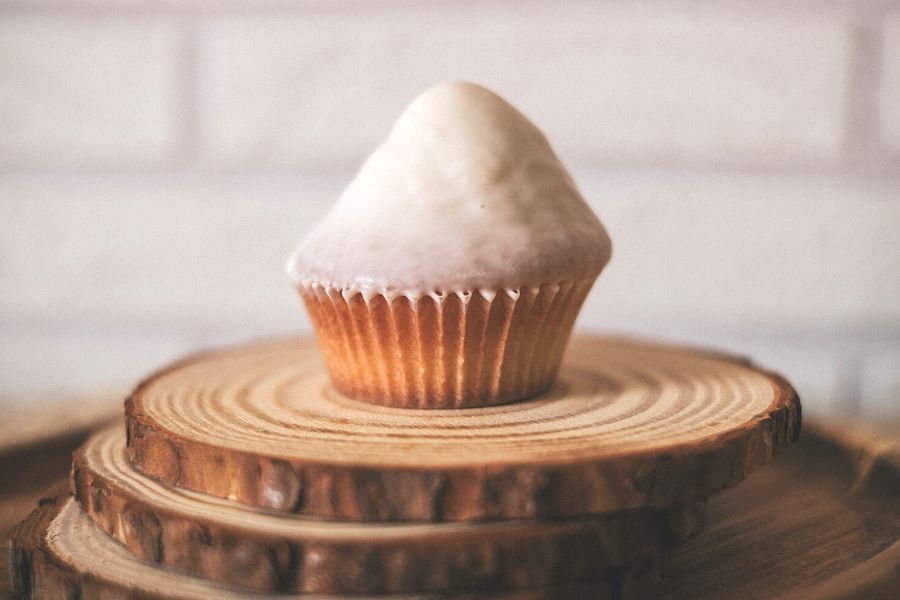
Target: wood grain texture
823	525
627	425
268	552
28	470
59	552
820	524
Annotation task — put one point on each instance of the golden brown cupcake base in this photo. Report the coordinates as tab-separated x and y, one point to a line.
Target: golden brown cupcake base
457	350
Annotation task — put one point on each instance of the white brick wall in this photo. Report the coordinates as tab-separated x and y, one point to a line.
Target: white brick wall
661	83
307	90
671	82
87	90
179	250
750	251
890	83
156	167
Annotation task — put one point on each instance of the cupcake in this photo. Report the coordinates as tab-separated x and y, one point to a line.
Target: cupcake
450	271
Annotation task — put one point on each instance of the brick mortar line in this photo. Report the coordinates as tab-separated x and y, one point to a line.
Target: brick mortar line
268	7
862	112
187	150
197	8
886	170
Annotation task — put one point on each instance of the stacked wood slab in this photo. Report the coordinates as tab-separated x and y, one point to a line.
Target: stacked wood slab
242	473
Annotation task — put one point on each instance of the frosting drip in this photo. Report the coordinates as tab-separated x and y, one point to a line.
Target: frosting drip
465	194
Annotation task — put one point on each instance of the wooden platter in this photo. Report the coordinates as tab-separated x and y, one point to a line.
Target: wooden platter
262	551
823	524
628	425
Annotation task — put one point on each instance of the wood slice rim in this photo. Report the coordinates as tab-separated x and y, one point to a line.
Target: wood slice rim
263	551
628	425
59	552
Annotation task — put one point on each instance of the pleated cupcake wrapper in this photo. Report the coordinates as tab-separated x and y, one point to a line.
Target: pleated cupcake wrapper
450	350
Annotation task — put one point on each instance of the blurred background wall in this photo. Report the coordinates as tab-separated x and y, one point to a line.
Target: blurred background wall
160	159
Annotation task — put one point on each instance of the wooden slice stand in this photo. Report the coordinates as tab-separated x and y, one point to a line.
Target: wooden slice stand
267	552
58	552
627	425
821	523
244	472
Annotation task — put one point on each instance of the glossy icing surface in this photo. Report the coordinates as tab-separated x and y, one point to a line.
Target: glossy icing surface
465	194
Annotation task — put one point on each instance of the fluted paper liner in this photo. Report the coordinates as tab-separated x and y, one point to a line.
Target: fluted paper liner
444	350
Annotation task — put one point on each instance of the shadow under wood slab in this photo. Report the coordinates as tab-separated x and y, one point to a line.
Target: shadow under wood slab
628	425
261	551
58	552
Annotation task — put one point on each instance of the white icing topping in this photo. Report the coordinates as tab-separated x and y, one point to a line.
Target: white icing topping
465	194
